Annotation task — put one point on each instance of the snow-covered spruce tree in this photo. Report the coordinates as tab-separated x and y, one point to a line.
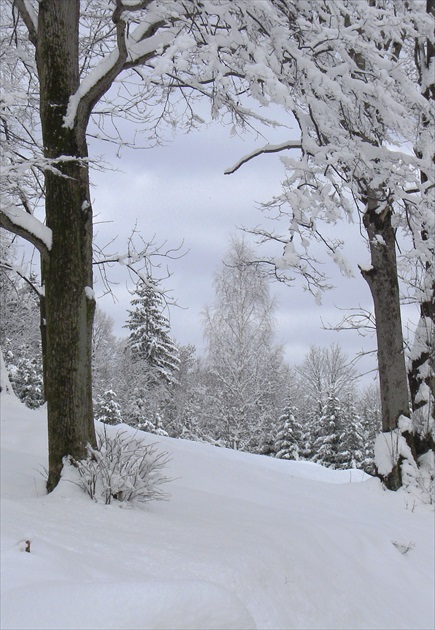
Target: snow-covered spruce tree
242	360
107	408
324	372
289	436
142	411
338	440
185	408
136	411
351	437
141	393
25	375
326	446
149	328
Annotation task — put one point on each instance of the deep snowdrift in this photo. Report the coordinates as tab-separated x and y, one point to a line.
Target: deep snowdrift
244	542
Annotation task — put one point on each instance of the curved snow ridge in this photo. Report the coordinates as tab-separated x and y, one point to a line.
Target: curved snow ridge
157	604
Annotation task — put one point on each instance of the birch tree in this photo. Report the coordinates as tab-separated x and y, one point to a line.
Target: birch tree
243	362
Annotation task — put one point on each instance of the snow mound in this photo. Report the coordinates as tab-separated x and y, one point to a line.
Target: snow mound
245	541
157	604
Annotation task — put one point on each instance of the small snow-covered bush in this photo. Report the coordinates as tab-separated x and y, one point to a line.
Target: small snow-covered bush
124	468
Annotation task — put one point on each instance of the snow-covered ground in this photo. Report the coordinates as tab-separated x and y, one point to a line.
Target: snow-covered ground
244	542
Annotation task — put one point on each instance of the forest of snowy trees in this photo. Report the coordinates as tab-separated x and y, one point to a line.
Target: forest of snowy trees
242	394
355	82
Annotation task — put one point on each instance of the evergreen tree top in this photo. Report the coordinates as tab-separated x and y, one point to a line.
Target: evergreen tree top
149	328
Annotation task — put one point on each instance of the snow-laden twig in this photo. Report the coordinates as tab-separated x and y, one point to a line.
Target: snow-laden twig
268	148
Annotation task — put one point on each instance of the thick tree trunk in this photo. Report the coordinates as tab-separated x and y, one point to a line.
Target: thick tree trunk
383	282
67	272
422	370
422	365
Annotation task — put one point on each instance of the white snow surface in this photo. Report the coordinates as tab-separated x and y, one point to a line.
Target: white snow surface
244	542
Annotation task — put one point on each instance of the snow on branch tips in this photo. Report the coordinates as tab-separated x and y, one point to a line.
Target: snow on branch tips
140	258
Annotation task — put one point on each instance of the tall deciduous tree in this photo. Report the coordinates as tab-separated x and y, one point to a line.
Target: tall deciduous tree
422	355
243	361
346	73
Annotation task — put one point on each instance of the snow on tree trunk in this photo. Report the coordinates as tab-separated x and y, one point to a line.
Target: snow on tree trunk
67	271
384	286
5	384
422	357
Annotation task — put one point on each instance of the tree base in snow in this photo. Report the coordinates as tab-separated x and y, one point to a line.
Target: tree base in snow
393	480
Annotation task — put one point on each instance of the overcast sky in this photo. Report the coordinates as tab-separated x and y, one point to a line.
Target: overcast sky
178	193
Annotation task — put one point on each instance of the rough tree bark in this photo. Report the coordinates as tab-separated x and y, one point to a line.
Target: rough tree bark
422	366
67	270
384	287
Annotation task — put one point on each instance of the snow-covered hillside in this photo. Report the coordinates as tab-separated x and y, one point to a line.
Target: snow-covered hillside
244	542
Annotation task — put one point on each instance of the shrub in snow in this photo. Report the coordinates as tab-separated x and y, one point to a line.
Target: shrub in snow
124	468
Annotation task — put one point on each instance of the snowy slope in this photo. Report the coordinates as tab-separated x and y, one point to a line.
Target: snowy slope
244	542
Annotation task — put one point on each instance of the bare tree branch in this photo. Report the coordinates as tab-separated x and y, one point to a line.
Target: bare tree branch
29	18
268	148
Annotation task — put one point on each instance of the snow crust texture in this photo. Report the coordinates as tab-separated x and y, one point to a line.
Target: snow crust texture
244	542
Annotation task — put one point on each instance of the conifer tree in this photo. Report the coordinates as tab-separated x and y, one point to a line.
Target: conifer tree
149	337
26	379
289	435
136	409
327	443
107	409
351	441
142	411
